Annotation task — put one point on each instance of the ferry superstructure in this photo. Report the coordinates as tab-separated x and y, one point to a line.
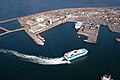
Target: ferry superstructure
75	54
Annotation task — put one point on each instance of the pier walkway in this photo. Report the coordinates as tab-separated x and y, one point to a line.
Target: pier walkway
1	28
8	20
10	31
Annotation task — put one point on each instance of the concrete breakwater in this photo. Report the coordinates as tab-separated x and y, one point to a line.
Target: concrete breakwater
10	31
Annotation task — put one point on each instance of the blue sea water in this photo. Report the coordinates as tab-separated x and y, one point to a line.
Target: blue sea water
102	58
15	8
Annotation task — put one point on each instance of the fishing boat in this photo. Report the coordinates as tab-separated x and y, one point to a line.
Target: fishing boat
118	39
106	77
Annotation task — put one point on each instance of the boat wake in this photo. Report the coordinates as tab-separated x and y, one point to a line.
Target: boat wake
36	59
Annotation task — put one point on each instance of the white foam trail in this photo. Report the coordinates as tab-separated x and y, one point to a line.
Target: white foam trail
36	59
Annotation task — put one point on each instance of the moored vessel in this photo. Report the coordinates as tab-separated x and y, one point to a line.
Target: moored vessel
78	25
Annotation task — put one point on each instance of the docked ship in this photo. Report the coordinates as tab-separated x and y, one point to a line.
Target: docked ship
106	77
78	25
118	39
75	54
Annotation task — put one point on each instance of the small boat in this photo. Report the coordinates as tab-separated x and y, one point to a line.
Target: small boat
118	39
75	54
78	25
106	77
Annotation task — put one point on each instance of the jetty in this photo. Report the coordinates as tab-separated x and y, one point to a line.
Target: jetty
10	31
91	18
91	31
8	20
4	29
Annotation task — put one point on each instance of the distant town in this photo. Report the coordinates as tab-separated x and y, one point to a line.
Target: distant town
89	19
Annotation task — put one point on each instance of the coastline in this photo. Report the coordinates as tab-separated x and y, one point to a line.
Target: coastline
15	18
40	22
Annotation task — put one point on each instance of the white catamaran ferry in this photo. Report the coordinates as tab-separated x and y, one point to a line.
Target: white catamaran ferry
75	54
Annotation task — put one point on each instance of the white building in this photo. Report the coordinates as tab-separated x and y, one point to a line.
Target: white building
38	19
